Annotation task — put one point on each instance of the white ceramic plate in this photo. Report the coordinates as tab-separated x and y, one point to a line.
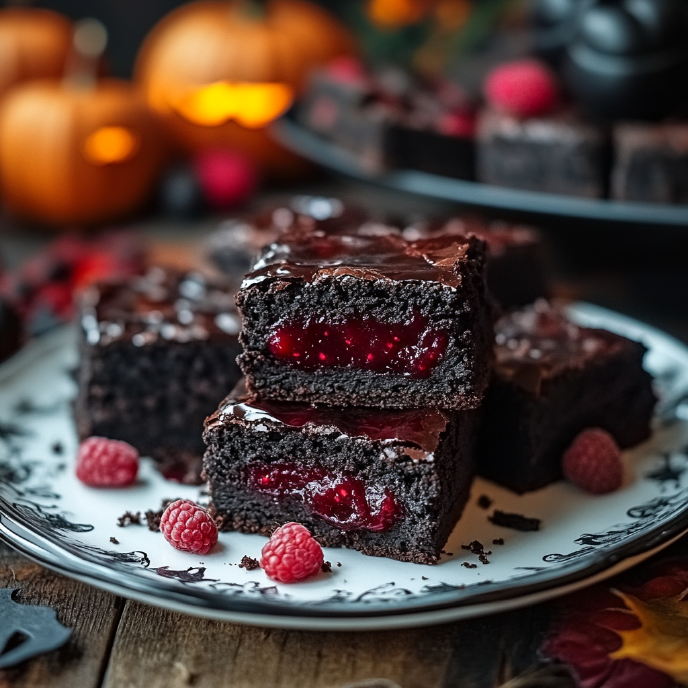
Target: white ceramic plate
47	514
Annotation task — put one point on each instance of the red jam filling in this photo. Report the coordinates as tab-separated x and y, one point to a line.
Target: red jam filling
343	501
412	348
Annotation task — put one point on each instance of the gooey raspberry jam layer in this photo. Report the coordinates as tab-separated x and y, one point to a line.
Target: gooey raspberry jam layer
412	348
343	501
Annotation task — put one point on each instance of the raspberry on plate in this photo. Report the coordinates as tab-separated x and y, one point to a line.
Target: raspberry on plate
101	462
525	88
188	527
292	554
593	462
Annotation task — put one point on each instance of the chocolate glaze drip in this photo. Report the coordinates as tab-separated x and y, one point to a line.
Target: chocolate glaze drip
421	428
539	342
162	304
374	251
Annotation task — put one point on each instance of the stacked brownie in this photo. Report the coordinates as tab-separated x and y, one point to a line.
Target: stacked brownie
366	356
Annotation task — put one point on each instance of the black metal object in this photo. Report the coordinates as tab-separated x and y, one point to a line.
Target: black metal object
27	630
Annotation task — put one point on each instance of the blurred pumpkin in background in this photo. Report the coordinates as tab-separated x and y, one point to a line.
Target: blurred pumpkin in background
219	71
78	151
34	44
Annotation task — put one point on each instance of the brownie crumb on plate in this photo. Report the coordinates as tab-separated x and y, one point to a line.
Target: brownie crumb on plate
58	448
498	541
128	518
514	521
484	502
249	563
468	565
326	567
114	541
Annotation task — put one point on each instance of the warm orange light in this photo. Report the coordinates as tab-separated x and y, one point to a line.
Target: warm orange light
109	145
395	13
253	105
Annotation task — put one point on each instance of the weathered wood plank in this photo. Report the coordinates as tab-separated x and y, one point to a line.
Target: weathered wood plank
93	615
159	649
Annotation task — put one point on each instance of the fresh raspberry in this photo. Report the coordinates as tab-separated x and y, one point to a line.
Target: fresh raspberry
101	462
593	462
525	88
188	527
292	554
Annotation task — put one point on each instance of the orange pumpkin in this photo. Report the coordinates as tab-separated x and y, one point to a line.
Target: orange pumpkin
219	71
74	154
34	44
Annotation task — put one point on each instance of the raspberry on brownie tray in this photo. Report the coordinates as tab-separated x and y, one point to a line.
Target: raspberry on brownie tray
553	380
158	354
389	483
367	318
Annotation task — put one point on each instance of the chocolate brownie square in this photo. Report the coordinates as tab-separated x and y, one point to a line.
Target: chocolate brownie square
368	319
553	379
559	154
651	163
389	483
516	271
158	353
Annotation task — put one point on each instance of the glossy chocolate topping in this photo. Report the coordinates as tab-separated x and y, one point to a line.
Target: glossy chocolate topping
499	236
539	342
419	427
162	304
366	254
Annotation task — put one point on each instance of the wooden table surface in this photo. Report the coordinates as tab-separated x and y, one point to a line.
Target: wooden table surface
119	643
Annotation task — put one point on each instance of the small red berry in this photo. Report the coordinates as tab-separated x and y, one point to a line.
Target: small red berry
526	88
593	462
101	462
292	554
188	527
227	178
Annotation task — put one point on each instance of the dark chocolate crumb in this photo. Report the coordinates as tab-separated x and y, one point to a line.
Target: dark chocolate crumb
484	502
475	547
58	448
114	541
153	517
153	520
129	518
469	566
339	564
514	521
425	578
498	541
249	563
326	567
483	559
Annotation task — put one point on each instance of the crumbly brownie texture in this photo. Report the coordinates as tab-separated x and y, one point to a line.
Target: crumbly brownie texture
387	483
553	379
516	273
559	154
368	321
158	353
651	163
